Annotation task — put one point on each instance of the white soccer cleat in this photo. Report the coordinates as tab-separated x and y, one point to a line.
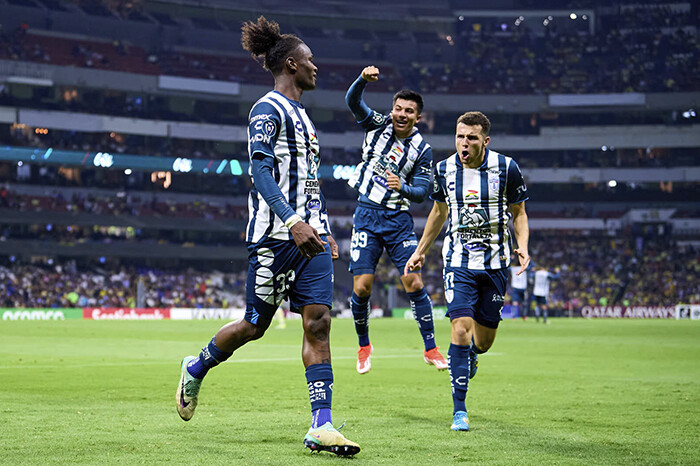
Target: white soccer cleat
187	391
327	438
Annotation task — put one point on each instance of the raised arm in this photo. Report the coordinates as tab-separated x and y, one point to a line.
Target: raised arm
433	225
354	97
522	234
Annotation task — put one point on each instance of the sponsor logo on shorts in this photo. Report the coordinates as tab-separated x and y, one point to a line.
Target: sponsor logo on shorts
410	242
497	298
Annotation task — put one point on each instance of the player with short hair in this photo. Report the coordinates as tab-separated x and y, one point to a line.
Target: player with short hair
394	171
288	235
476	254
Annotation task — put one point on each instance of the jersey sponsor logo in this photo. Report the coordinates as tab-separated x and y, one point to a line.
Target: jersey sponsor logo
473	224
494	171
380	180
378	118
259	137
313	204
262	116
471	195
474	246
311	187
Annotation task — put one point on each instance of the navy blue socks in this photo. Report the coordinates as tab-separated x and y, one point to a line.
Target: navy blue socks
458	359
423	313
360	312
210	356
319	378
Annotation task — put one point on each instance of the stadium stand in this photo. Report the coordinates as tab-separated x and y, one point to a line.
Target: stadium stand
59	220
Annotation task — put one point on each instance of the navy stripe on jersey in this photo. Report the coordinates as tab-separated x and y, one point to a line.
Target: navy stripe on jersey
382	152
279	128
477	231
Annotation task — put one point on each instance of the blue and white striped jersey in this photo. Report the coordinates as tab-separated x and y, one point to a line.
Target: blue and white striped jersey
477	235
411	159
279	128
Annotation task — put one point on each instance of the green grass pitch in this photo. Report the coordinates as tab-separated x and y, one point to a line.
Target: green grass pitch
572	392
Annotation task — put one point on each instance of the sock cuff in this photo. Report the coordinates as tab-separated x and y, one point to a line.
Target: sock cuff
459	350
316	372
358	300
476	349
216	352
417	295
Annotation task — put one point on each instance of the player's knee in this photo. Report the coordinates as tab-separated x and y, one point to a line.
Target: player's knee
363	289
461	335
317	323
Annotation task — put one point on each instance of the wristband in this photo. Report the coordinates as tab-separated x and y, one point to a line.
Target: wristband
293	220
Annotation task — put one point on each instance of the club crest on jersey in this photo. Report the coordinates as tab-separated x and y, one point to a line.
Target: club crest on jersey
494	183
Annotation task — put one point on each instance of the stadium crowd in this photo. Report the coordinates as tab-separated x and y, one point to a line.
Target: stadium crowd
627	54
595	271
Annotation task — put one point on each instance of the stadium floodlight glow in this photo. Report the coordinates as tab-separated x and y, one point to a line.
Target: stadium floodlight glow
47	154
127	172
20	163
573	15
612	183
690	113
545	22
461	18
604	148
584	17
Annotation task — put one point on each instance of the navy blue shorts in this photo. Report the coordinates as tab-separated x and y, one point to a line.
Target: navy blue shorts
277	271
541	300
478	294
375	230
517	295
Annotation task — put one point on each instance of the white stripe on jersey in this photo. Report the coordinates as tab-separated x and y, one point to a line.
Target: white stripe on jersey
297	174
519	282
381	151
477	234
541	287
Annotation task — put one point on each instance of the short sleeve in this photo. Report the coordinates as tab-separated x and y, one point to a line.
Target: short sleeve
438	193
263	129
516	190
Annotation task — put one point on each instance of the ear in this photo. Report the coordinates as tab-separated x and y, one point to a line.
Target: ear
291	64
420	115
487	140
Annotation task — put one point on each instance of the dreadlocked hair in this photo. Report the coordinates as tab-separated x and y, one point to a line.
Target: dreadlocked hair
264	40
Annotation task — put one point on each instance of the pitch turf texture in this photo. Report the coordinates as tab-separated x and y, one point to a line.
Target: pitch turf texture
572	392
